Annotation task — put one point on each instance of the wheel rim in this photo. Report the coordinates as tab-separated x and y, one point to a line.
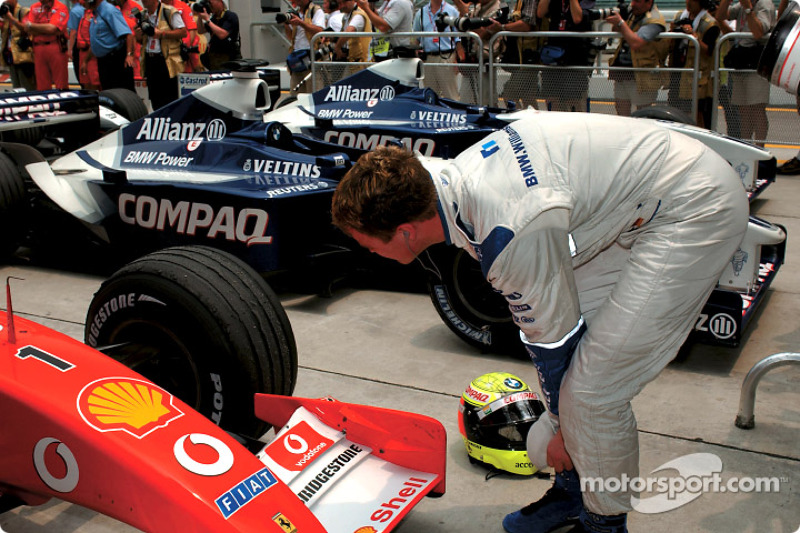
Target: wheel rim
159	355
476	294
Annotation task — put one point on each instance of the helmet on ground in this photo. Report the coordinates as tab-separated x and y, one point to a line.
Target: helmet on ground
496	412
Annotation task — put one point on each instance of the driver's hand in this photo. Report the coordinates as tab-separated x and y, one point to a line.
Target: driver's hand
557	455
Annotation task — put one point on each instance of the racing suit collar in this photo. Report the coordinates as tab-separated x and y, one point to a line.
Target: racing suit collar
440	183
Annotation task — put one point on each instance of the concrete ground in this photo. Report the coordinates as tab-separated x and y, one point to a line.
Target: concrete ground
391	349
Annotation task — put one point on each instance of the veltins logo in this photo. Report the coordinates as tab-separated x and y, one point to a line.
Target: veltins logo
692	476
298	447
123	404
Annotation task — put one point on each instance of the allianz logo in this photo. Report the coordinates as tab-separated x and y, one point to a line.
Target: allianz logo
163	129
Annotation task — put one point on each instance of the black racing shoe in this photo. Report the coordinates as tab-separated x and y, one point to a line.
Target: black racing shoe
789	168
560	506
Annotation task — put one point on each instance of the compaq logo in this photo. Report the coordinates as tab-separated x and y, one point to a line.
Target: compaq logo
163	129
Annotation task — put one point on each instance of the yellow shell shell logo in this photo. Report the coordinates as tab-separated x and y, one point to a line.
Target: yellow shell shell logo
123	404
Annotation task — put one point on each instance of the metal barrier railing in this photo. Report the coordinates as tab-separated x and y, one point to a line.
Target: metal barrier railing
333	70
597	65
484	81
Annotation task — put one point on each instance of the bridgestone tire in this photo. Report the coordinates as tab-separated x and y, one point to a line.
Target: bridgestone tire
125	102
13	206
664	112
468	304
202	324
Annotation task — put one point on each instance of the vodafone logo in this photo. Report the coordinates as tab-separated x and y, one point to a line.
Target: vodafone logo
298	447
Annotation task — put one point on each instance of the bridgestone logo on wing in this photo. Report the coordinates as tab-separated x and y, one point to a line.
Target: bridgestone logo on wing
328	472
163	129
247	225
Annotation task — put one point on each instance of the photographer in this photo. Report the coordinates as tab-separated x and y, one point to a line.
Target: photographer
112	44
749	91
566	90
639	48
694	20
46	23
353	49
160	30
301	26
523	85
191	43
392	16
438	50
17	52
223	27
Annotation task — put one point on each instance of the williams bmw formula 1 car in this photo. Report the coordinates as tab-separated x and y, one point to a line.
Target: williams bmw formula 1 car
84	428
214	169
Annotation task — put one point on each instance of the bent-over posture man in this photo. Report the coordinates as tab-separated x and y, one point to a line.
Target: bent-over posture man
605	234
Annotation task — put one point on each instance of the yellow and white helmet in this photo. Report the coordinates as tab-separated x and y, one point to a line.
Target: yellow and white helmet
496	412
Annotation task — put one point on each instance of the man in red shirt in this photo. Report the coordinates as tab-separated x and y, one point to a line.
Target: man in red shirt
46	22
90	76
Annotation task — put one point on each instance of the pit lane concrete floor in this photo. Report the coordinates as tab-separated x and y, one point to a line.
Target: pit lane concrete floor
391	349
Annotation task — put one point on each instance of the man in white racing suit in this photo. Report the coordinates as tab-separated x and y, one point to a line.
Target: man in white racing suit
605	234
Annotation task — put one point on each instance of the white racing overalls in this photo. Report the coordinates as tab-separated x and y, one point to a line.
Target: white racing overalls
606	235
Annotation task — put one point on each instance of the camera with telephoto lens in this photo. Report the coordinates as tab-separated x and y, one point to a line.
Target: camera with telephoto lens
4	9
282	18
324	52
201	6
143	22
680	23
622	9
470	23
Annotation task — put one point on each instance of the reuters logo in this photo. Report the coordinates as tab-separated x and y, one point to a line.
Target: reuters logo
134	406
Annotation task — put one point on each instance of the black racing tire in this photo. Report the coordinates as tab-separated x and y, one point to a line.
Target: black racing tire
13	206
202	324
664	112
123	101
467	303
29	136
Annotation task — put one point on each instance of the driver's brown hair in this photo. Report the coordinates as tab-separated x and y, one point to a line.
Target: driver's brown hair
385	188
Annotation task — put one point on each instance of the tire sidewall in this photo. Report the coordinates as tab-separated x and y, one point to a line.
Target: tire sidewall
225	388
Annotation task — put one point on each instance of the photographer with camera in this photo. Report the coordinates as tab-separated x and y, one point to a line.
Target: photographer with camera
190	47
46	24
697	21
438	50
353	49
112	44
301	24
563	89
160	29
749	92
640	47
467	49
392	16
17	51
222	25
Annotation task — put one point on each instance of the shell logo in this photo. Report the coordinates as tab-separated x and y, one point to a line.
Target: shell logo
366	529
134	406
